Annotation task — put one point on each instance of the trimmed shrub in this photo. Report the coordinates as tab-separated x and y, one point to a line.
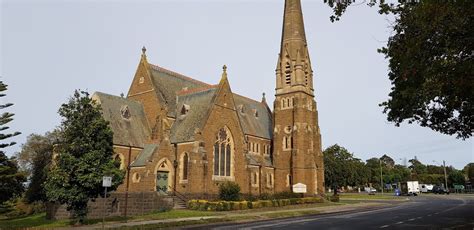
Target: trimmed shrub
334	198
229	191
286	195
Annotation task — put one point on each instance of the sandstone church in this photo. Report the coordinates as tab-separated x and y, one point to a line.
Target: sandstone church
176	133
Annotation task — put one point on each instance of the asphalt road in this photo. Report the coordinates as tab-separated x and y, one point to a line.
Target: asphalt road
422	212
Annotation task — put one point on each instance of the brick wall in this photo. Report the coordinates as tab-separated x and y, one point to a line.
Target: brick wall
137	204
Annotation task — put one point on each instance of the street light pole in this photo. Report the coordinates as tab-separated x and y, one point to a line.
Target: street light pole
445	177
381	180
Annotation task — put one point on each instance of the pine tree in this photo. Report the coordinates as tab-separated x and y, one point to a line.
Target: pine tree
11	180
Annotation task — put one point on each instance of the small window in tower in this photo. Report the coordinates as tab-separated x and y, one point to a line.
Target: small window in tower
141	80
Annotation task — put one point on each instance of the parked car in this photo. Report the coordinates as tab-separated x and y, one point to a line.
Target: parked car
370	191
440	190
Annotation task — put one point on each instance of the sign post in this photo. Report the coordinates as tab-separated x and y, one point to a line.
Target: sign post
106	182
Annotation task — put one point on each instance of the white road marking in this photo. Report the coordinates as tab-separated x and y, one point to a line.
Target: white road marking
412	219
429	215
399	222
384	226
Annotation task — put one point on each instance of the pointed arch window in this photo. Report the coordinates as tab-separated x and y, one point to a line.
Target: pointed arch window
223	153
185	166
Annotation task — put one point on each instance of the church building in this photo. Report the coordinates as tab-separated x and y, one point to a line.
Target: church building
173	133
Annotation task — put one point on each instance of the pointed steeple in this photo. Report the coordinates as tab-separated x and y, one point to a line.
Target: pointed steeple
293	34
292	73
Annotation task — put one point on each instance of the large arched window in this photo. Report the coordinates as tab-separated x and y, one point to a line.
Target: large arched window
223	153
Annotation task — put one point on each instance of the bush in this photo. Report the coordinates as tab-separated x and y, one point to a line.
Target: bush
286	195
242	205
229	191
334	198
265	196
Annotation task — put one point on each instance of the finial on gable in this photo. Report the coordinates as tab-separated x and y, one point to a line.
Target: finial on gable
264	100
224	71
144	50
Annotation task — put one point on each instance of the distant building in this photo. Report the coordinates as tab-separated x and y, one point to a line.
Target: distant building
176	132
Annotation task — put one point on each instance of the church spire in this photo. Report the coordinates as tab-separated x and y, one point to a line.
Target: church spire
293	34
293	71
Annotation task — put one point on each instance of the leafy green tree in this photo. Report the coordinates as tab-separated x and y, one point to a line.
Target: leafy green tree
83	157
35	159
456	177
342	168
11	180
387	161
430	63
417	168
469	172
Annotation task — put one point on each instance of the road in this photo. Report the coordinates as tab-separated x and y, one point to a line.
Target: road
422	212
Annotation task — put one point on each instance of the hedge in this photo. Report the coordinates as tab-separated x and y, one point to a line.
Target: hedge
205	205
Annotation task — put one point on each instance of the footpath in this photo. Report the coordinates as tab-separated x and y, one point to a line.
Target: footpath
248	216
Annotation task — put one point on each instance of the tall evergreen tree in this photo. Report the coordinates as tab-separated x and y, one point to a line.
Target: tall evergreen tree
11	180
83	157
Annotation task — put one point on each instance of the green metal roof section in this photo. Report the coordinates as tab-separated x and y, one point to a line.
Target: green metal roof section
144	156
129	130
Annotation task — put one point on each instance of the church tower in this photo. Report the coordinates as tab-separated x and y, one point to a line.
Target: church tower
297	152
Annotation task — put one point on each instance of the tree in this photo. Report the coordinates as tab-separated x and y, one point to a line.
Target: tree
455	177
83	157
469	172
342	168
387	161
11	180
430	63
417	167
35	159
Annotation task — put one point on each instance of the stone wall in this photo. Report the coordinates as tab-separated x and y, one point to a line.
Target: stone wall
137	204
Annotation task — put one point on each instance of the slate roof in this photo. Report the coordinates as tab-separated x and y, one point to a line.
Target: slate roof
133	131
175	89
199	104
168	83
259	124
144	155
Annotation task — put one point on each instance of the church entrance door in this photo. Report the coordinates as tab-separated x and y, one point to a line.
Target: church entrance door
162	182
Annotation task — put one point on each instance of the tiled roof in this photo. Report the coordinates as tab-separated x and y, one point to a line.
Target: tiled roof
256	119
185	125
168	83
144	156
132	130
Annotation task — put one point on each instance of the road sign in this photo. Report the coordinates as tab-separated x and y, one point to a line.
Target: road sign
106	181
299	188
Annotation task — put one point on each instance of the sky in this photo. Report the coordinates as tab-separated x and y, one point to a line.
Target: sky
50	48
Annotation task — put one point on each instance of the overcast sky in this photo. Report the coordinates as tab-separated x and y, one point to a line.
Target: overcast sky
50	48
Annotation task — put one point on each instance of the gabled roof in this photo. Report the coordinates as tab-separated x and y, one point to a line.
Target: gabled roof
255	118
167	83
134	130
175	90
199	104
144	156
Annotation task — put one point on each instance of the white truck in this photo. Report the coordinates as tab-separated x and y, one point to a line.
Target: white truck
424	188
410	188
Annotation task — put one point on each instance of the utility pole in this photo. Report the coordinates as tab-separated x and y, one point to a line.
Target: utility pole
381	179
445	177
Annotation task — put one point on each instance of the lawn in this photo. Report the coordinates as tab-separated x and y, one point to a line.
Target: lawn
40	221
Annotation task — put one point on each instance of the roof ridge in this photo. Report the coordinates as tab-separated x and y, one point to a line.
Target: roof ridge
195	90
175	74
248	98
